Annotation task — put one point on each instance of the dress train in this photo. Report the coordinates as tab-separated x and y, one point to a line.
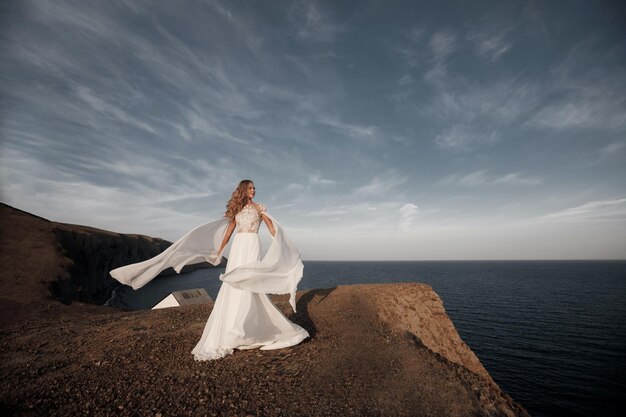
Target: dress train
242	319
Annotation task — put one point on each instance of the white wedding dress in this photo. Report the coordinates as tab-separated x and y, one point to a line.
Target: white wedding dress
243	316
240	318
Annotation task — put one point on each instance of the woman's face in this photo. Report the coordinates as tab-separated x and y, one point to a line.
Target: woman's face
251	191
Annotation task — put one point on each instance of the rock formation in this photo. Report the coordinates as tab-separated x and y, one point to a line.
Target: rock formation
65	261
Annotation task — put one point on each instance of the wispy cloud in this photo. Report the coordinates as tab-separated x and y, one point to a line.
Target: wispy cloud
100	105
586	91
368	133
612	148
407	214
315	181
463	138
442	44
492	42
61	196
482	177
475	113
206	128
592	111
312	23
406	79
516	178
382	184
368	216
409	47
492	47
594	211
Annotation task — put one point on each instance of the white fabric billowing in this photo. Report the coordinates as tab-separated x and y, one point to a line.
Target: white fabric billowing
243	316
199	244
279	272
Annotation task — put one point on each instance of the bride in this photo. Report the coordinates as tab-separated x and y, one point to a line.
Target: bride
243	316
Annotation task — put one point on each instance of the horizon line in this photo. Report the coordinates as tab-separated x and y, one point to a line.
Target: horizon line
463	260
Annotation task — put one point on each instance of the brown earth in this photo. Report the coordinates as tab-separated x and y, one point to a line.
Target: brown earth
375	350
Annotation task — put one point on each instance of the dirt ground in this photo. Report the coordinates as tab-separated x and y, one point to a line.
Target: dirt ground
90	360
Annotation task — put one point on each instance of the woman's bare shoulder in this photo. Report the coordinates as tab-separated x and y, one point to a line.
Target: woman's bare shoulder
260	207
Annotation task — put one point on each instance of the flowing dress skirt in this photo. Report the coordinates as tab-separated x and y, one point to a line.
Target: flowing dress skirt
241	319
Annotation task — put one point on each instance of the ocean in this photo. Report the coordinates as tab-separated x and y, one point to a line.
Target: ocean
552	334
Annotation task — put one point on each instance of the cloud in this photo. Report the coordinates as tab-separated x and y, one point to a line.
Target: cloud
410	46
472	113
166	206
410	53
99	105
483	112
364	216
202	125
406	79
593	211
311	23
493	47
382	184
612	148
585	90
368	133
407	214
328	212
442	44
516	178
583	110
492	41
482	177
315	181
463	138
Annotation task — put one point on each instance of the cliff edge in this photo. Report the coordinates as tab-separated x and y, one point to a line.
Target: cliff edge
45	262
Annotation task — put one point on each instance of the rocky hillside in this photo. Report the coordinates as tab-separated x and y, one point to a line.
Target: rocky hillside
45	259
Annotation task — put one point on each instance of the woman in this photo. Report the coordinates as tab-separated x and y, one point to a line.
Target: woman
243	316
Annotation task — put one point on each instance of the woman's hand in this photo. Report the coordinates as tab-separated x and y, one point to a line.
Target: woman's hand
270	224
227	235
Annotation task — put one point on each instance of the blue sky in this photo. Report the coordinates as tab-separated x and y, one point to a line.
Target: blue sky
372	129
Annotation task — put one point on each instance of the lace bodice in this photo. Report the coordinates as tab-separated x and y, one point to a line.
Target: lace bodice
249	219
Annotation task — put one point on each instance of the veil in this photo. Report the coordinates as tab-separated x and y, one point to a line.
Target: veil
278	272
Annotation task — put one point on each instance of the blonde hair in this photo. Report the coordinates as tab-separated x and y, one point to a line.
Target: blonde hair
238	199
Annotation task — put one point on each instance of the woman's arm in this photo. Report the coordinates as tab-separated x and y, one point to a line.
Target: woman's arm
269	224
227	235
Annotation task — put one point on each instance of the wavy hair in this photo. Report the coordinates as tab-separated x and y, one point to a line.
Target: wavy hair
238	199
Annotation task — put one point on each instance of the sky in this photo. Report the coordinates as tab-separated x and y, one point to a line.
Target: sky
373	130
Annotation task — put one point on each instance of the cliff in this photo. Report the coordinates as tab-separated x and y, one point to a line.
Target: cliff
49	260
387	349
